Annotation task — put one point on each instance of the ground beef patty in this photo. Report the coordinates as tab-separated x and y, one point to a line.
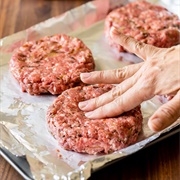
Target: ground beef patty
145	22
74	131
51	64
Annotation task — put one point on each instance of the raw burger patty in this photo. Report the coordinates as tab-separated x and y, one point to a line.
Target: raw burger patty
145	22
51	64
74	131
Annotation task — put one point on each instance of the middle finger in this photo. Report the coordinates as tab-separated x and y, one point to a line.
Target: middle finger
105	98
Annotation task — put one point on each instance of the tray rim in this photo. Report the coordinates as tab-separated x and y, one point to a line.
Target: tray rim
25	172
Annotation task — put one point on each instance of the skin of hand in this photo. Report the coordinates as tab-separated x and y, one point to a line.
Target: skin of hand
159	74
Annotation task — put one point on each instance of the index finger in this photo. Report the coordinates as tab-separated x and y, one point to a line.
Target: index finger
142	50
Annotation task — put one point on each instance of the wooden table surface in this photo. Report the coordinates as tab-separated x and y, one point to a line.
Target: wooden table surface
158	162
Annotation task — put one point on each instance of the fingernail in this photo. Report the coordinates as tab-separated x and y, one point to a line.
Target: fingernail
85	75
89	114
156	124
82	105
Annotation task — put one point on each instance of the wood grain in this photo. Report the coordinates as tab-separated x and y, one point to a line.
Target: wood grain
7	172
158	162
18	15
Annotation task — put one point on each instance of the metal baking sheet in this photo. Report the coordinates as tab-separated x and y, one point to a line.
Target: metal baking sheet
22	167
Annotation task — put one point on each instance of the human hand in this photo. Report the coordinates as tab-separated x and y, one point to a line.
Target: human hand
159	74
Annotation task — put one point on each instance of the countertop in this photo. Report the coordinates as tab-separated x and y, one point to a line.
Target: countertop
160	161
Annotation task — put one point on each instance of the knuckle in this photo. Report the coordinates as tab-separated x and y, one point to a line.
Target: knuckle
127	39
96	102
115	93
101	75
139	45
120	105
121	73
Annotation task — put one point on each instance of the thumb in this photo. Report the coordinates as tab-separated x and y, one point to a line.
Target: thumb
166	114
142	50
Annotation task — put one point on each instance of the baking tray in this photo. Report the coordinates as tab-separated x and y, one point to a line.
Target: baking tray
21	165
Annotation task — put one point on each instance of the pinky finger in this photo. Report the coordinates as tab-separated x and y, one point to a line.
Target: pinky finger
166	114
